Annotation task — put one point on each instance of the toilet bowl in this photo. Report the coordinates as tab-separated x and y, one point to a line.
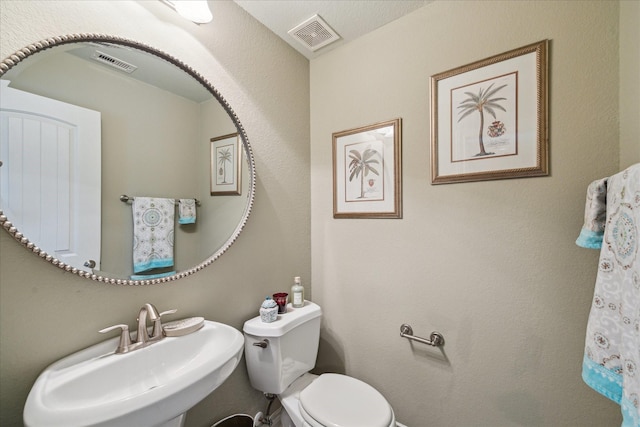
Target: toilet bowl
279	356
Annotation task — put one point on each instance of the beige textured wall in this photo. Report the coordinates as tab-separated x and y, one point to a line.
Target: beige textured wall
46	313
629	83
491	265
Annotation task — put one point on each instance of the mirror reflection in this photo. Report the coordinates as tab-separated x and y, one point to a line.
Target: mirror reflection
87	122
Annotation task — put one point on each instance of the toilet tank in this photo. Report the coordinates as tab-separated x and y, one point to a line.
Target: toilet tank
291	350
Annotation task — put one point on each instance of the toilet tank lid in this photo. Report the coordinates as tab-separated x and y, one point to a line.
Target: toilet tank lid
284	323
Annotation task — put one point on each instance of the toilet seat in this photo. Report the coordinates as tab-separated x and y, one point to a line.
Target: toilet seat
335	400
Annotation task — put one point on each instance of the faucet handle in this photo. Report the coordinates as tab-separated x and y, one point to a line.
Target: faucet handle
125	338
168	312
157	324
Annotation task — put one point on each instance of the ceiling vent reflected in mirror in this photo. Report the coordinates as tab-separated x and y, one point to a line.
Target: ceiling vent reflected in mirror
314	33
114	62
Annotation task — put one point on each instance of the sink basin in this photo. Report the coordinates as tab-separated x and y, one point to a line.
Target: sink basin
151	386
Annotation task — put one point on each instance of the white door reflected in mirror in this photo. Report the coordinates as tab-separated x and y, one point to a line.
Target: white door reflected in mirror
50	178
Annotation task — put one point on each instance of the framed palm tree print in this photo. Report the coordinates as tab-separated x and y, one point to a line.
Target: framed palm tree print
226	165
367	171
489	118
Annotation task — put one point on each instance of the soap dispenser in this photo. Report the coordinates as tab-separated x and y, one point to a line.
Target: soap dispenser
297	292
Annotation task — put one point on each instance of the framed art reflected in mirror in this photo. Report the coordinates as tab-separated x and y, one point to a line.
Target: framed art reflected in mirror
226	165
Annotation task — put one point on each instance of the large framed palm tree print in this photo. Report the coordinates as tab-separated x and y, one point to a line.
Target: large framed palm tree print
367	171
489	118
226	165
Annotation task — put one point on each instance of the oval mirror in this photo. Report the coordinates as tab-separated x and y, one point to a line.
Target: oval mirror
120	163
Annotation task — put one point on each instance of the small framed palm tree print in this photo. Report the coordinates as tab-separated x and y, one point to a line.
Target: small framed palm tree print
226	165
489	118
367	171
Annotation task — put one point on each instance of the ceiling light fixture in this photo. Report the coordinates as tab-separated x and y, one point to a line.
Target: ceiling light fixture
194	10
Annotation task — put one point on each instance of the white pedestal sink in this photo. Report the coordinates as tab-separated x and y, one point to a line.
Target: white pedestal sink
152	386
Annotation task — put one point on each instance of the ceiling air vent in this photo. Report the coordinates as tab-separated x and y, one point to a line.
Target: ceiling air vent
114	62
314	33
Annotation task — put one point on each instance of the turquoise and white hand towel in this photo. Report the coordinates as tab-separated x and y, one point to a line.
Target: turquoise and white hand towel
152	276
153	225
611	363
187	211
595	212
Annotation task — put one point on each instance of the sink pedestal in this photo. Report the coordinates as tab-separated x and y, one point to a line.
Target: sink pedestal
176	422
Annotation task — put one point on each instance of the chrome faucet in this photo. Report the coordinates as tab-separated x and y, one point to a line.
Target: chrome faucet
143	334
143	338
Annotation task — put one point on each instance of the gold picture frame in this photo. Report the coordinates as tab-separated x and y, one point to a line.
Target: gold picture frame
226	165
367	171
510	93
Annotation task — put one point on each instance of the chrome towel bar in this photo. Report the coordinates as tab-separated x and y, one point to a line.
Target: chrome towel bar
126	199
435	340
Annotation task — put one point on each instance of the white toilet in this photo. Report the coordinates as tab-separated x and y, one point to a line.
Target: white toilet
279	356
